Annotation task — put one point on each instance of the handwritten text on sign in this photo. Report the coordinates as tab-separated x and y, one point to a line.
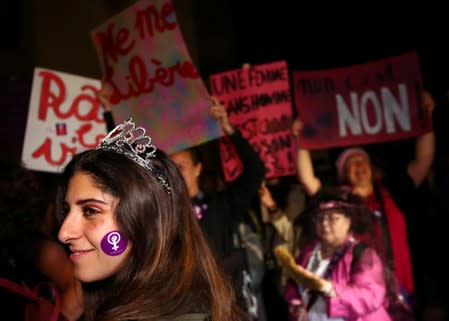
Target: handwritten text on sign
145	60
374	102
64	118
258	103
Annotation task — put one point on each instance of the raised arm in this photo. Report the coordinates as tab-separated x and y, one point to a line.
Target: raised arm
104	97
246	186
218	112
419	167
304	165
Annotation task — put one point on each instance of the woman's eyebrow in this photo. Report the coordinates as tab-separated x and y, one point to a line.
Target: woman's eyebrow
90	200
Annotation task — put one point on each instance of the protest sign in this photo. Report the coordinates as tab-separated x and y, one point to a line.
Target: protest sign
258	103
145	60
64	118
373	102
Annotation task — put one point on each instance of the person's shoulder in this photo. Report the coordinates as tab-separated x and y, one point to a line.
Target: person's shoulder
358	248
361	251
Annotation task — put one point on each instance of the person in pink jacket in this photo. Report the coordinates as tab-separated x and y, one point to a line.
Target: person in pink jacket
337	278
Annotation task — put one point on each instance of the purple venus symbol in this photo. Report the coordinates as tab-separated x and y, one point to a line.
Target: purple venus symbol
114	243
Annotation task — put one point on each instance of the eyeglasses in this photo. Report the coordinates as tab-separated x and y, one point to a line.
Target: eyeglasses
330	218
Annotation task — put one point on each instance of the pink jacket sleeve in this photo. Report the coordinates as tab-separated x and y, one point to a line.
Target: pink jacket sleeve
364	292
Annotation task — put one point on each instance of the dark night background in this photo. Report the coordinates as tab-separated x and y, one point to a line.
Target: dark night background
321	36
221	35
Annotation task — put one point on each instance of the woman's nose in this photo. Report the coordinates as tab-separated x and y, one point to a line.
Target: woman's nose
70	228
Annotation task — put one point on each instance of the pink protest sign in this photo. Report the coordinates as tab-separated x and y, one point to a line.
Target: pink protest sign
362	104
258	103
144	58
64	118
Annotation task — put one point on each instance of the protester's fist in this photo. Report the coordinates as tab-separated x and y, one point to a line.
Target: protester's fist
265	196
218	113
428	101
297	126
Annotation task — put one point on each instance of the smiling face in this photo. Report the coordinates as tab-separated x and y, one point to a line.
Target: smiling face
89	220
358	170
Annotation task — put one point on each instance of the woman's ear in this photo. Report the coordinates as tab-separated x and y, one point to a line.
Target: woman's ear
349	224
198	169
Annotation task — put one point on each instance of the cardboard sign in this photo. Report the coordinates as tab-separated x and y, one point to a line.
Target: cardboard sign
258	103
374	102
144	59
64	118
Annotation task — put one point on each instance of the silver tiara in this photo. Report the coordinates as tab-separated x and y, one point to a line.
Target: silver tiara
131	141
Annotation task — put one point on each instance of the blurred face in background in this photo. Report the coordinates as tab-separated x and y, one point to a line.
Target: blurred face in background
358	170
189	170
332	227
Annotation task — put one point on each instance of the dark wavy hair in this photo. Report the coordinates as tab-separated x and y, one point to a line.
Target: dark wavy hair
170	269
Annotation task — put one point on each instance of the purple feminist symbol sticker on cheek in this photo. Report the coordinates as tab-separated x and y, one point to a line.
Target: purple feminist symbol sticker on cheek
114	243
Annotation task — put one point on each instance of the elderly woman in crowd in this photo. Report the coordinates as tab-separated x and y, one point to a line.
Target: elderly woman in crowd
335	276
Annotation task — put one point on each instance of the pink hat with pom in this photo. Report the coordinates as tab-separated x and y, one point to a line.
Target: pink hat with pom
343	157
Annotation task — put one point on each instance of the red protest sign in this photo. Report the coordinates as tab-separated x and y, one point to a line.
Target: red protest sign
362	104
258	103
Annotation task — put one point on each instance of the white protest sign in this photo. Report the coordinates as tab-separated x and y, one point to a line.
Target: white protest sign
64	118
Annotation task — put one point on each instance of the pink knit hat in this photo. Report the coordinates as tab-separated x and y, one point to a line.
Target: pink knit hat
343	157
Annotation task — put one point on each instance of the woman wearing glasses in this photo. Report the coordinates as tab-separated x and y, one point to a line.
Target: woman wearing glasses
336	277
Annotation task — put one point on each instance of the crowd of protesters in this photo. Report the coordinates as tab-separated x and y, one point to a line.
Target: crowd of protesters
395	208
